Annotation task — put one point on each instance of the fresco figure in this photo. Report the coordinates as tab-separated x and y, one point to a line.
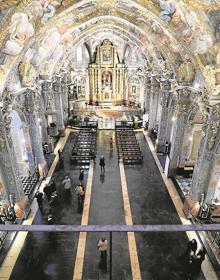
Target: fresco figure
20	30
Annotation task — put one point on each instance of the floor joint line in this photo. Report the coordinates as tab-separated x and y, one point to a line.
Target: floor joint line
79	261
135	267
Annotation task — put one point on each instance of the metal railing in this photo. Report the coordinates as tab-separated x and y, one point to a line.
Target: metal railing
111	229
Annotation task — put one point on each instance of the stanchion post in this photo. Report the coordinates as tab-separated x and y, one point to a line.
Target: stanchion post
110	256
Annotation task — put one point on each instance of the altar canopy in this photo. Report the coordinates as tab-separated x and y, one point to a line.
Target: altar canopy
107	76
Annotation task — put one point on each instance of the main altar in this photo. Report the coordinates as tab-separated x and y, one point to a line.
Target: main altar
107	76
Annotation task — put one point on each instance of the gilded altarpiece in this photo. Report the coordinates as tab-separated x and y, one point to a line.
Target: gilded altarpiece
107	76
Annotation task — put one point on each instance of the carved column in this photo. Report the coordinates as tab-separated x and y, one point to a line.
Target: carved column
64	94
154	97
206	173
147	94
46	92
31	107
9	174
182	106
57	89
165	95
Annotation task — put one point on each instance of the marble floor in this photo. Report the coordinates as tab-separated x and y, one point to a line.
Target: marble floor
52	256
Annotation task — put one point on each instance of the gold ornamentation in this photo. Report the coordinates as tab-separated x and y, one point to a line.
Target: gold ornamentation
210	75
200	5
214	125
7	4
166	70
27	73
186	71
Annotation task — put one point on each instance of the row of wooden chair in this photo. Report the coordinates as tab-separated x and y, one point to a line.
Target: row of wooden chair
128	147
84	148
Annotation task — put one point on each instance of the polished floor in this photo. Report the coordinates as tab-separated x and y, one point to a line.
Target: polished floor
52	255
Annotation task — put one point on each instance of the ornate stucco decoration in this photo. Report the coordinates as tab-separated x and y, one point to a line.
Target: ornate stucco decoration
186	71
32	102
29	103
214	124
182	104
165	69
7	100
211	74
202	100
27	73
57	85
165	97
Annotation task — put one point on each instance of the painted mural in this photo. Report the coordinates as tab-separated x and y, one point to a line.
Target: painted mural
171	28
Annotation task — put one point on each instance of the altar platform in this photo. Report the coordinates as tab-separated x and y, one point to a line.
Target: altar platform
106	116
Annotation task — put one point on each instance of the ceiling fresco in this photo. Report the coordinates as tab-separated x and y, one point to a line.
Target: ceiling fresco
183	34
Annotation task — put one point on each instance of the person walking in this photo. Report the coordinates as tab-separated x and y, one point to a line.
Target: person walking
102	164
67	185
201	254
192	246
47	191
111	143
81	176
39	197
80	191
102	247
92	155
61	159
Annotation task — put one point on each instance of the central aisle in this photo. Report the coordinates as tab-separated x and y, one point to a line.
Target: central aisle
107	209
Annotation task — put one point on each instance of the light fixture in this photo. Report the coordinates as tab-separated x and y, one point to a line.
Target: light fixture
39	120
190	138
196	85
173	119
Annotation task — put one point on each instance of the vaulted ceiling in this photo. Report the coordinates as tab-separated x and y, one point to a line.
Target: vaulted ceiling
178	36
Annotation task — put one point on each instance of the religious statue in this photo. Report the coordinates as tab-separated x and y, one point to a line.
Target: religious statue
106	79
107	92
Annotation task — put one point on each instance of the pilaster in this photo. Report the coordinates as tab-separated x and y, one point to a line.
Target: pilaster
154	97
32	103
9	173
57	89
64	95
206	172
182	106
147	94
164	102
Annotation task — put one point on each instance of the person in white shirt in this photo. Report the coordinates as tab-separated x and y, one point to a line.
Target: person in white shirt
102	247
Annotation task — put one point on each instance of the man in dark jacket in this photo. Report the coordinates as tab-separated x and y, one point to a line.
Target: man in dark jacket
102	164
